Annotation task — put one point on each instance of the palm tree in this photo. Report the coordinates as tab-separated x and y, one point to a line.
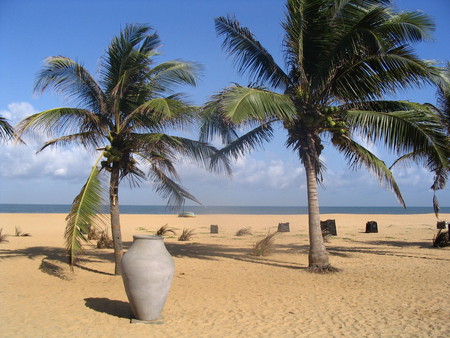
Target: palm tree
125	117
342	58
6	130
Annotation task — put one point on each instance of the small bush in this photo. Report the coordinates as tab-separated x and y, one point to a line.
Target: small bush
244	231
104	241
186	235
19	232
3	237
164	230
265	246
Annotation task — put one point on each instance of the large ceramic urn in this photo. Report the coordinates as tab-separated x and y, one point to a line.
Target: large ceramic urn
147	273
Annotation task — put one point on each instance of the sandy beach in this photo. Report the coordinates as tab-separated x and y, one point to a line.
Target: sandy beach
391	283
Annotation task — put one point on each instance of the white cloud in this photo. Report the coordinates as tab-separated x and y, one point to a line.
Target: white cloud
19	160
17	111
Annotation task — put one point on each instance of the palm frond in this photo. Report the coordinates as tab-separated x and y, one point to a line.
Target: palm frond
6	130
173	73
60	121
403	131
85	139
70	79
169	189
357	156
243	104
86	210
214	124
125	67
251	140
204	154
162	112
248	53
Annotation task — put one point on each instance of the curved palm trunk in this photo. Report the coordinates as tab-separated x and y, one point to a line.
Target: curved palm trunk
318	255
115	217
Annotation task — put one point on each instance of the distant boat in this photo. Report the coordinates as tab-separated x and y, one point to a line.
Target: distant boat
186	214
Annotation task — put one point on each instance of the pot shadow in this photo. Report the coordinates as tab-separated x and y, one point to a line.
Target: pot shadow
115	308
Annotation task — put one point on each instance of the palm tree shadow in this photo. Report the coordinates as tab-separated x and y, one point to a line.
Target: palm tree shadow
115	308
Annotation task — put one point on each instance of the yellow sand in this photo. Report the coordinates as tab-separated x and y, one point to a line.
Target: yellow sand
392	283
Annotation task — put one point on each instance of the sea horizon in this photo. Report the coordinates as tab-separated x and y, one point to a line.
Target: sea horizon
237	210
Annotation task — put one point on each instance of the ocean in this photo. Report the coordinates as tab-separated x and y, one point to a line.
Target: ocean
237	210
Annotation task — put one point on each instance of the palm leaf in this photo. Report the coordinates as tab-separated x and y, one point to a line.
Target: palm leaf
169	189
243	104
59	121
357	156
158	114
6	130
170	73
125	65
70	79
86	210
251	140
249	55
403	131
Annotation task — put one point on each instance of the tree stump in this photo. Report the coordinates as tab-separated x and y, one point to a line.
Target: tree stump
283	227
214	229
329	227
371	226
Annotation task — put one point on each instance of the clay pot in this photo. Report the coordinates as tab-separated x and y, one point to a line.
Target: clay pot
147	273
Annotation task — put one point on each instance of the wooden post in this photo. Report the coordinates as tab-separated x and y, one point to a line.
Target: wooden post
283	227
371	226
329	227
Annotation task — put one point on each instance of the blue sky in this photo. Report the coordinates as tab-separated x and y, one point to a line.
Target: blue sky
31	30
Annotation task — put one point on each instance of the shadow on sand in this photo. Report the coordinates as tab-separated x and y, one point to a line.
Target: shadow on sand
115	308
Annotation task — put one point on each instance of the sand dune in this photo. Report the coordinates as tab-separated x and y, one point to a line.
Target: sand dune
392	283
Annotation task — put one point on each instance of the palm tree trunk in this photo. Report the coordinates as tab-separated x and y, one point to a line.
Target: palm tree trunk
318	255
115	217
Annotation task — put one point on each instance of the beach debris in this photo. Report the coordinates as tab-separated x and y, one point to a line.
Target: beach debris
371	226
19	233
214	229
244	231
328	227
104	241
442	225
283	227
164	230
3	237
186	214
441	239
186	235
265	246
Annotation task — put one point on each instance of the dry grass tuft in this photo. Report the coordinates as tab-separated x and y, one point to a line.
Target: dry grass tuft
94	233
186	235
19	233
3	236
104	241
244	231
265	246
164	230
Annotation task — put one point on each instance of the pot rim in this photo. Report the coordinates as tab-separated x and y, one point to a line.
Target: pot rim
151	237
